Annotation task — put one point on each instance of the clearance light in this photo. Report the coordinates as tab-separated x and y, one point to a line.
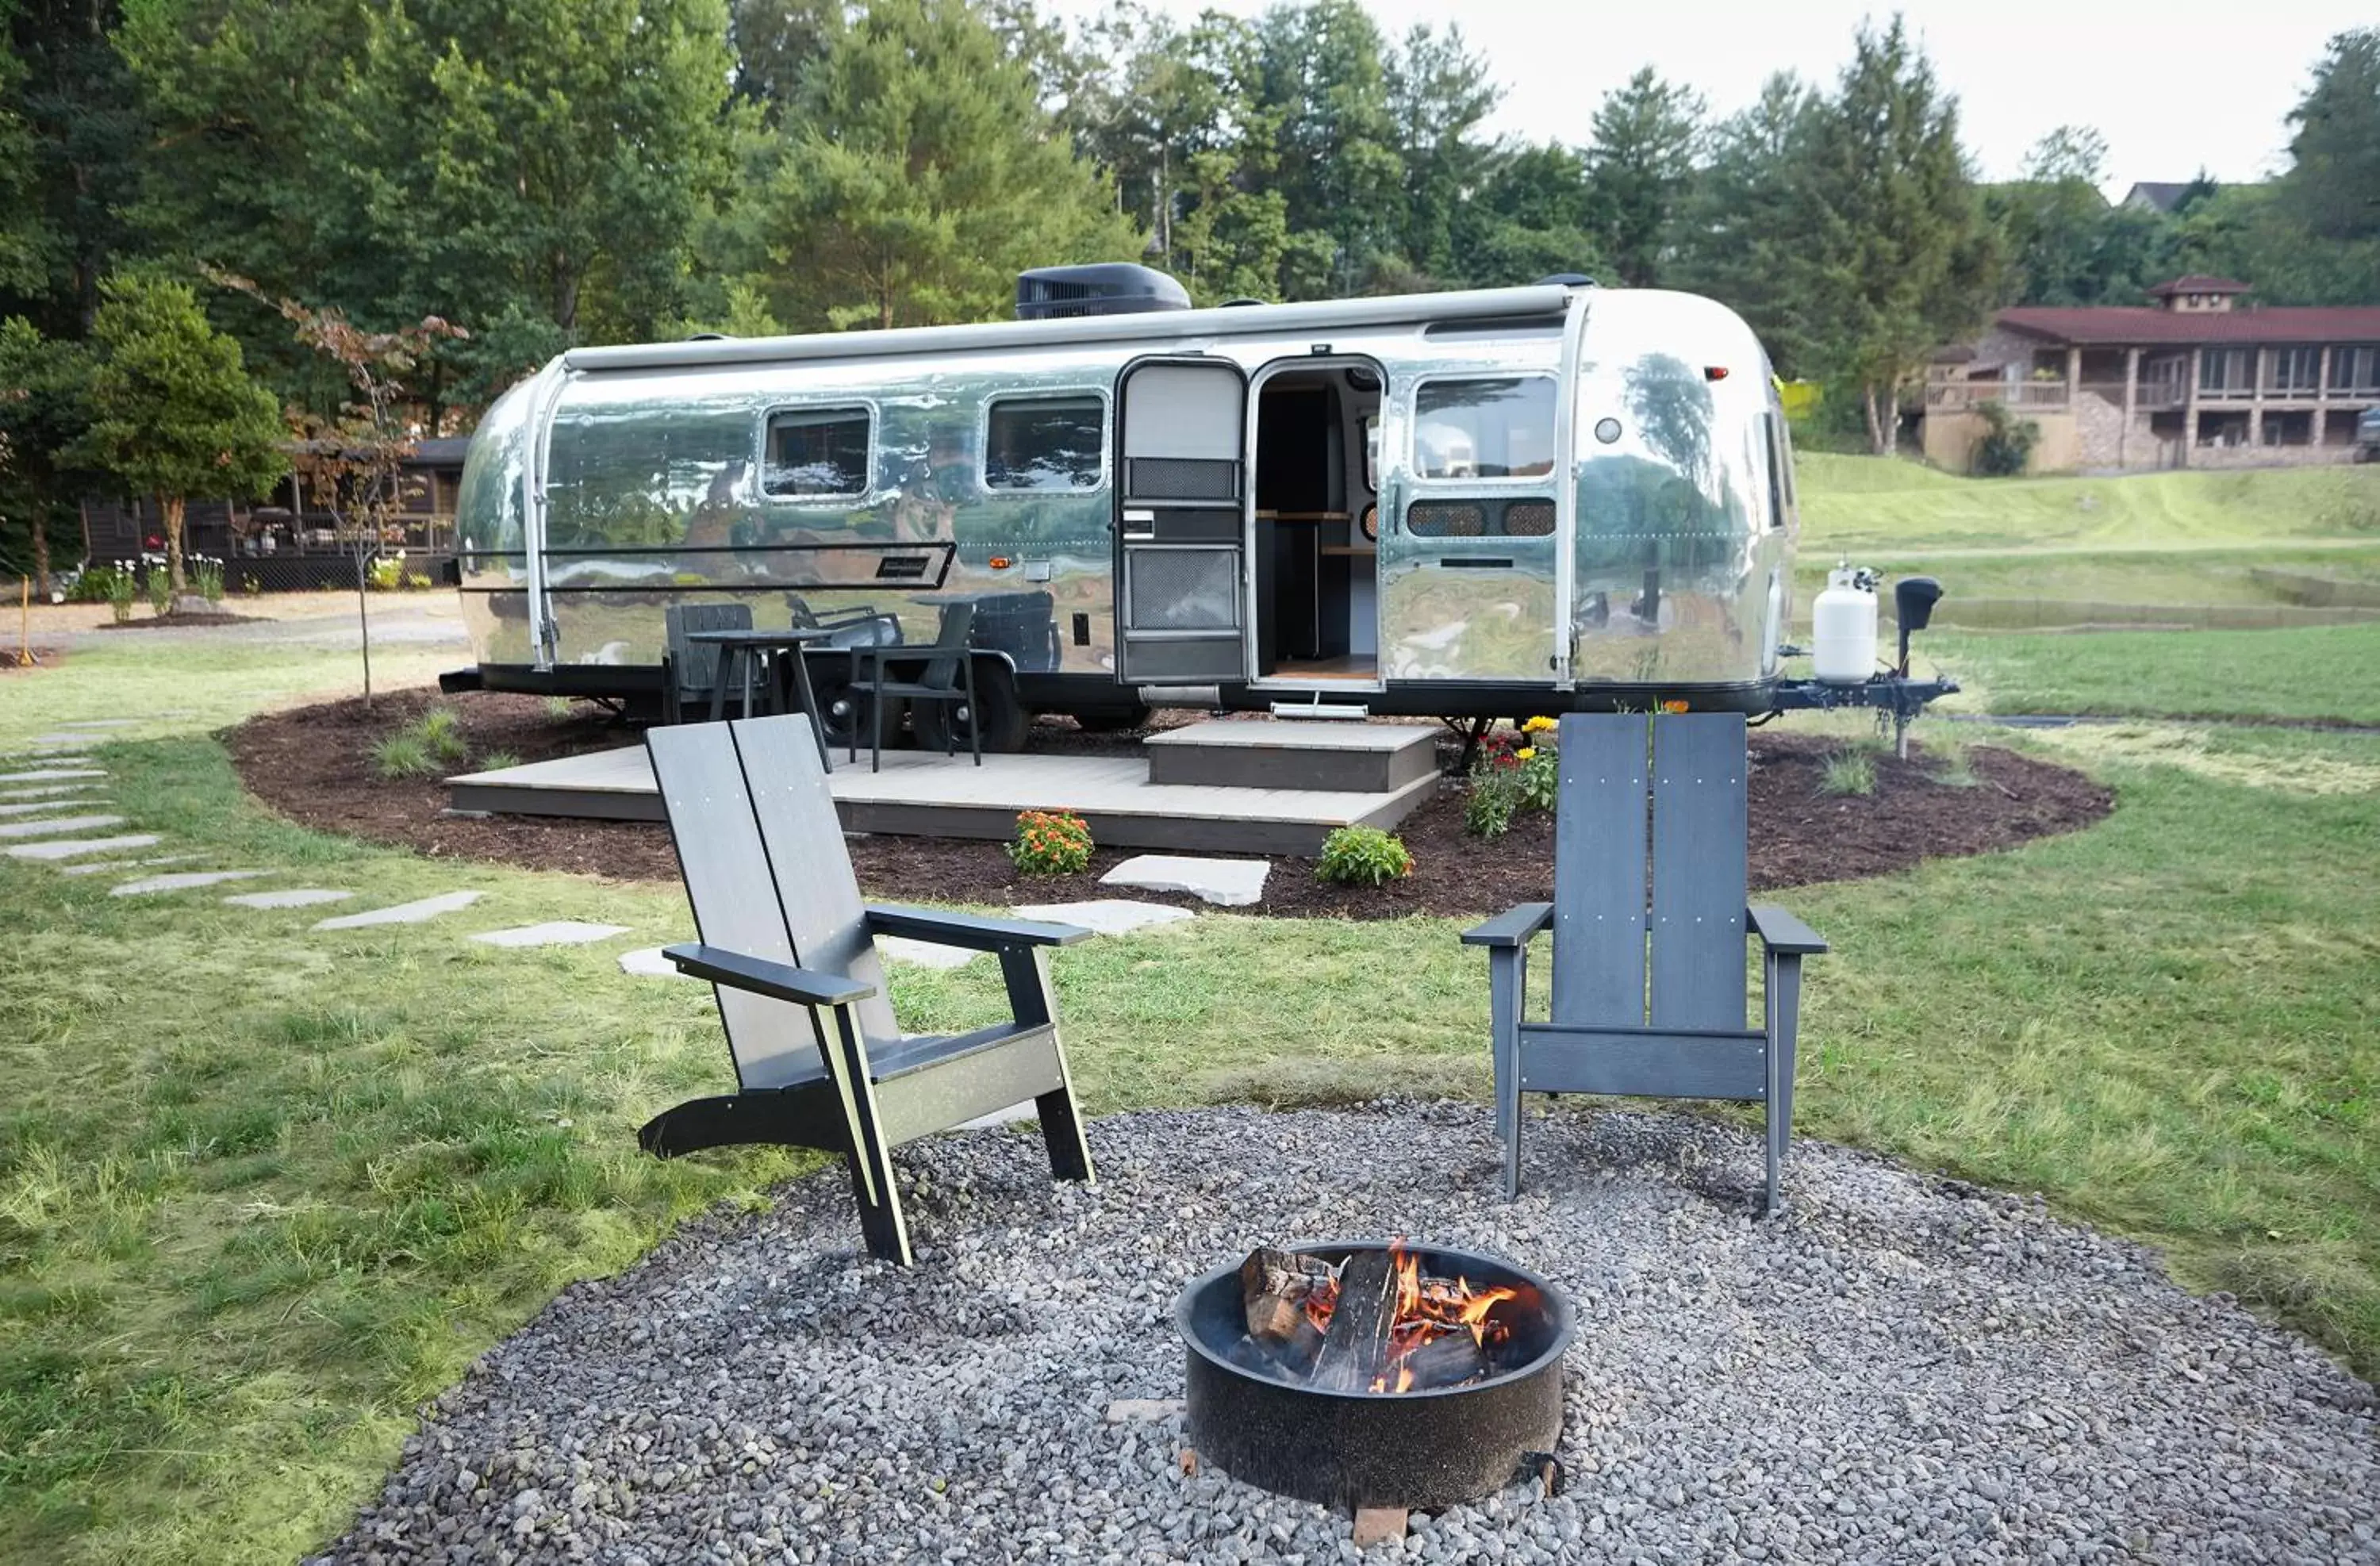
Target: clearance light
999	562
1714	373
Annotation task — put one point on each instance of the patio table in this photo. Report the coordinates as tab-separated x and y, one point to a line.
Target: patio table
741	655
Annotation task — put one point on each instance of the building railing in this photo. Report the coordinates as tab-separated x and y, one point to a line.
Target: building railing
2049	396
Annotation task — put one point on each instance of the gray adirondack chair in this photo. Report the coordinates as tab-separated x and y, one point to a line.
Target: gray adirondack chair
690	669
1683	1035
791	949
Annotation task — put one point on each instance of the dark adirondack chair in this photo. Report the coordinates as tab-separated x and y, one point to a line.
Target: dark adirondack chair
1683	1035
820	1062
690	669
939	676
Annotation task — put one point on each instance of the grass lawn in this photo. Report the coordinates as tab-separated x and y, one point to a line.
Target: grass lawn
261	1190
2328	672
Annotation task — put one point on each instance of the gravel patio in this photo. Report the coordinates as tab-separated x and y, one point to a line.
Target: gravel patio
1900	1368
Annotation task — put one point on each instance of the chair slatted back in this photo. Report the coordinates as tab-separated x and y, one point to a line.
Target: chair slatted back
741	895
950	645
803	837
696	663
1667	794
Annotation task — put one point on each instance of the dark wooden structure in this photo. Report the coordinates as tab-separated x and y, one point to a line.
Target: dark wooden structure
1649	922
820	1061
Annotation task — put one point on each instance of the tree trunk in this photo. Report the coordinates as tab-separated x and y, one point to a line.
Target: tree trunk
1879	433
42	553
364	624
171	508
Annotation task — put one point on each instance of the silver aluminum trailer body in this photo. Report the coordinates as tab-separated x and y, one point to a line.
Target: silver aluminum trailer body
1491	503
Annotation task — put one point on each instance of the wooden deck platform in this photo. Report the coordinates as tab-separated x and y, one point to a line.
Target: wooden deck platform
926	795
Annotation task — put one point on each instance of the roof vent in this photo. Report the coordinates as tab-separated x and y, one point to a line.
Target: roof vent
1567	280
1053	293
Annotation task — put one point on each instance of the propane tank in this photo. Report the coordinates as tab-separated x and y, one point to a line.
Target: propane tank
1844	627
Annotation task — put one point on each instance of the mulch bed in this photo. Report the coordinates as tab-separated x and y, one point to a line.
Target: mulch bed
314	764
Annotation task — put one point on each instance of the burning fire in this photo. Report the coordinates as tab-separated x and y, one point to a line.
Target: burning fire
1428	1309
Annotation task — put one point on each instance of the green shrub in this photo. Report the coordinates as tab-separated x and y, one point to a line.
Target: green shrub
1363	857
2006	445
441	731
384	576
1494	800
160	583
403	756
1051	843
98	584
1847	771
207	577
497	760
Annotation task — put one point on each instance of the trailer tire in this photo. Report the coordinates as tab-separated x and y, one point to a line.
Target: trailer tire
999	716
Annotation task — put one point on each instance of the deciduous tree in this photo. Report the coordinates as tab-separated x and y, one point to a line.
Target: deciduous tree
174	414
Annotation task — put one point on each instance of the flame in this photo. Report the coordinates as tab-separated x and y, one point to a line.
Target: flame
1427	1309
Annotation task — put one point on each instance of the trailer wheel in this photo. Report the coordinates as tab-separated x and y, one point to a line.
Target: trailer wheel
843	713
999	718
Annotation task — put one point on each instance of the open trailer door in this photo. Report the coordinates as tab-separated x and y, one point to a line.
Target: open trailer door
1179	500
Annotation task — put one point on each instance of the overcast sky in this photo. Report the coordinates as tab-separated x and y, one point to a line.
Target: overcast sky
2174	85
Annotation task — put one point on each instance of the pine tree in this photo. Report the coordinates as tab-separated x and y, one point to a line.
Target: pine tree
172	413
1639	162
921	172
1736	237
1895	257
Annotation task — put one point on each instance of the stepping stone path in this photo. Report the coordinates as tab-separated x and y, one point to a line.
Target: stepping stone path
182	881
100	866
57	824
647	962
923	954
415	913
1232	883
76	848
46	791
112	723
1109	916
51	774
304	897
36	807
556	932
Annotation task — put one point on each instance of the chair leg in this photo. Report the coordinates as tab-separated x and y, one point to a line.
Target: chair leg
1027	971
975	713
1508	969
1781	997
876	733
869	1160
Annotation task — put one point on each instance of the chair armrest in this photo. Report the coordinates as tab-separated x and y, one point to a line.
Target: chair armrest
762	976
1511	929
1780	932
971	932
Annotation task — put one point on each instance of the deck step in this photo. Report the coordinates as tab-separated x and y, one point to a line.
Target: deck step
1341	757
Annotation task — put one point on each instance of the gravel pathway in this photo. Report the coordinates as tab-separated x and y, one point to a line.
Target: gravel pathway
1899	1369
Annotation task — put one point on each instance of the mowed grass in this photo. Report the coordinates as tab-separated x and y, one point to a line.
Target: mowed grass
2317	673
263	1190
1887	506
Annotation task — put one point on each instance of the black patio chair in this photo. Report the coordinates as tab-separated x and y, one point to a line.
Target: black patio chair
819	1060
1683	1035
943	676
858	625
690	669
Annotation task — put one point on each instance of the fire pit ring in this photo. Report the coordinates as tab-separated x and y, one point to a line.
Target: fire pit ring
1422	1449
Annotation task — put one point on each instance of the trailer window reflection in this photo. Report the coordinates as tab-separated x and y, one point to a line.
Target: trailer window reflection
1045	444
1485	428
819	453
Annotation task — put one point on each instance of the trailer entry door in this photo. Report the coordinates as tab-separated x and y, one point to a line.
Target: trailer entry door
1177	522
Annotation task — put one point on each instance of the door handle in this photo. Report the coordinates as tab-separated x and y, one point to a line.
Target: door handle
1476	562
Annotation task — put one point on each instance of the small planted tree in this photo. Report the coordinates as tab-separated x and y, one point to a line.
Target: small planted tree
2006	442
356	460
172	413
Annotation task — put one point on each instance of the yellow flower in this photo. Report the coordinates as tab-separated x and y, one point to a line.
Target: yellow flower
1673	707
1526	752
1537	726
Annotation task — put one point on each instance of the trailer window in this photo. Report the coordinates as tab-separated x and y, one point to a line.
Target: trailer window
1485	428
1045	444
819	453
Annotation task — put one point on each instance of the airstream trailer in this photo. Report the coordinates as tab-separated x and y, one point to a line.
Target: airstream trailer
1483	503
